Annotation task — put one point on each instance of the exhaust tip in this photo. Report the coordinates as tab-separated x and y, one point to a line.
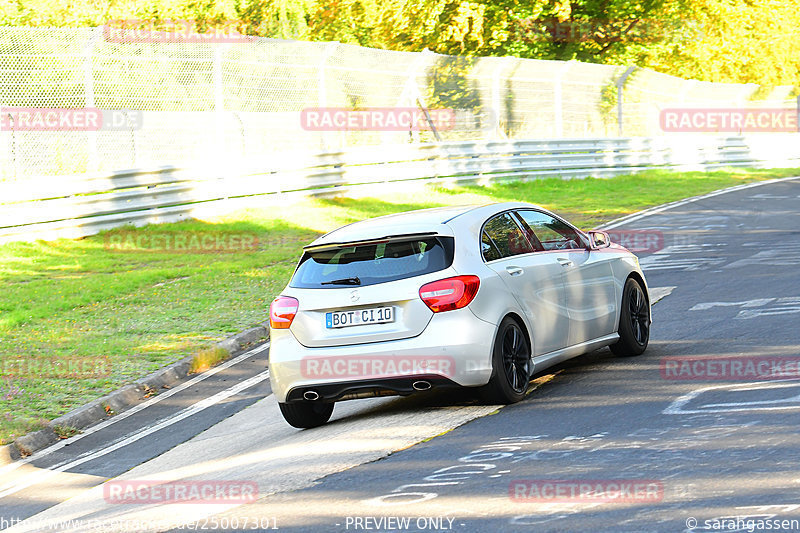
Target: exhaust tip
311	395
421	385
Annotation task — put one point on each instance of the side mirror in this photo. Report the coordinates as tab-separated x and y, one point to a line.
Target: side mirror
600	239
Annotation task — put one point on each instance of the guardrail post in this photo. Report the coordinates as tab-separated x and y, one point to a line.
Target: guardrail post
620	84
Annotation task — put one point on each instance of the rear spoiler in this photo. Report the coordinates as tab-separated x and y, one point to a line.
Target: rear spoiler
378	240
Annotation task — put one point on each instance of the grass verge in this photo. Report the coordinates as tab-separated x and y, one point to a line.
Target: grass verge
140	298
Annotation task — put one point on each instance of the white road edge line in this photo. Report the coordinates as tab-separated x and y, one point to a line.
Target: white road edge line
659	208
676	407
205	403
133	410
659	293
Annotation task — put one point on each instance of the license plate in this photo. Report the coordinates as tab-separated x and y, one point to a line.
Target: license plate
343	319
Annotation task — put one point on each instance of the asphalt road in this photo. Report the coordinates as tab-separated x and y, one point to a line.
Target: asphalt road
663	442
92	458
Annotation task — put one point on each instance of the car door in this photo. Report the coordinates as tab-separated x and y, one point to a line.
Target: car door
535	279
588	277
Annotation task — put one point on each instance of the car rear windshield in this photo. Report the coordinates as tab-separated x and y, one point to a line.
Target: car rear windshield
369	264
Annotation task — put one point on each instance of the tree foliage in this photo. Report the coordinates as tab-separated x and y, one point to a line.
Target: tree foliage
741	41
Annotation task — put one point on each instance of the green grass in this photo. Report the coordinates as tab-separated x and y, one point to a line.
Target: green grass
142	309
207	358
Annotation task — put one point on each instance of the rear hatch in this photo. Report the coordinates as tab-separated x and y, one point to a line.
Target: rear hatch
366	291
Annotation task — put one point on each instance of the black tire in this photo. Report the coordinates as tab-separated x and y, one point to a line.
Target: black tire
634	321
306	415
511	365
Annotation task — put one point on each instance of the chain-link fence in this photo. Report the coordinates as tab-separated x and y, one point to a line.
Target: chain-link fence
189	103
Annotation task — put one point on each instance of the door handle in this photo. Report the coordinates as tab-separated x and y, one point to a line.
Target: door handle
514	271
565	262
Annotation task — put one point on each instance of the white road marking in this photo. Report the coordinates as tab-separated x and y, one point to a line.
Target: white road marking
133	410
659	261
757	307
203	404
664	260
693	248
785	254
758	302
771	311
792	399
659	293
677	406
256	444
661	208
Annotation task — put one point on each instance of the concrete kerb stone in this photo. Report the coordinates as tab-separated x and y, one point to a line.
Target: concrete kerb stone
121	399
5	454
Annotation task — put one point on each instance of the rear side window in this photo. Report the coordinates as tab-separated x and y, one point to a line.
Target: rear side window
369	264
551	233
502	237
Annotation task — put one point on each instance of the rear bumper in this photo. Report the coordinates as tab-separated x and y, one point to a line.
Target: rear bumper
368	388
454	350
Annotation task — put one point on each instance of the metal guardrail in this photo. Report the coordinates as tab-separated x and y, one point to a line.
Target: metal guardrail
76	206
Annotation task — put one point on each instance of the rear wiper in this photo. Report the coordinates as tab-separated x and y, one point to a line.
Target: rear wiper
343	281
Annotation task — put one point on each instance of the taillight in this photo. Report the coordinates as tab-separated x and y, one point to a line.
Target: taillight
282	311
450	293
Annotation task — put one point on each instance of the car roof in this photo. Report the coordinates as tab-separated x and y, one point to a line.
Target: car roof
481	213
422	221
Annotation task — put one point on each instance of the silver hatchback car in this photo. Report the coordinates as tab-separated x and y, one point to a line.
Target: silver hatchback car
476	296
